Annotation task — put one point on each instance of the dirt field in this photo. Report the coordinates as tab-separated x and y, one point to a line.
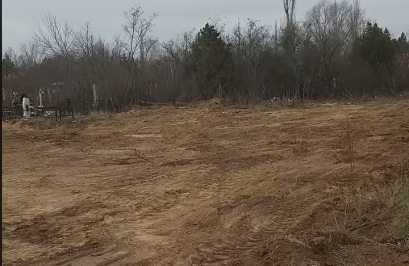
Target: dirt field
210	185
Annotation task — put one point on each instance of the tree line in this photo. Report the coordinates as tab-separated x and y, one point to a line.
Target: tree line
334	51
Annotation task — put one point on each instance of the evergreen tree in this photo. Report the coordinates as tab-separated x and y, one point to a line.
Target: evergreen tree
402	44
212	63
378	49
8	65
375	46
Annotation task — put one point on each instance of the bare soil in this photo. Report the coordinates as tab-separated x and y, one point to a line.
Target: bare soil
209	185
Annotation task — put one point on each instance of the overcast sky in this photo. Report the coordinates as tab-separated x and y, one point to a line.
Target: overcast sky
21	17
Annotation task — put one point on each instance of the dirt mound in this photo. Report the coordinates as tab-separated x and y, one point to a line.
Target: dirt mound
12	125
215	103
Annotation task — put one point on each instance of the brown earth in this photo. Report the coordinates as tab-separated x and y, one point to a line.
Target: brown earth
210	185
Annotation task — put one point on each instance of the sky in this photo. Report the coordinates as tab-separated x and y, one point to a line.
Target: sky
20	18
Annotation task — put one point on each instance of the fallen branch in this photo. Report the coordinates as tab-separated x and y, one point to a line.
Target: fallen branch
348	95
140	155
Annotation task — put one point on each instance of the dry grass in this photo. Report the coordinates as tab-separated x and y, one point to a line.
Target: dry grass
384	200
210	185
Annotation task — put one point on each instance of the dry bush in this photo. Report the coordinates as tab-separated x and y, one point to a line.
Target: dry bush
378	213
386	200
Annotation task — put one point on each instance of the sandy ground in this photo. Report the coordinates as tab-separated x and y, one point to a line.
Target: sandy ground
208	185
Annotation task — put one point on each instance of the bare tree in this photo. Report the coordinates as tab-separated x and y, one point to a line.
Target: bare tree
289	9
219	22
145	47
329	26
117	49
84	41
292	38
178	49
57	41
257	44
252	44
176	62
30	56
97	58
356	22
136	28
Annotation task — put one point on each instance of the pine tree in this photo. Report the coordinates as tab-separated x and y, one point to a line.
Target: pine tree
8	65
376	46
212	63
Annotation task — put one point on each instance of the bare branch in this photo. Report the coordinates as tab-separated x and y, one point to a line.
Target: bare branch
56	40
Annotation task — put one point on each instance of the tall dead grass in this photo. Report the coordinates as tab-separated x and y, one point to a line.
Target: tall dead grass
386	200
